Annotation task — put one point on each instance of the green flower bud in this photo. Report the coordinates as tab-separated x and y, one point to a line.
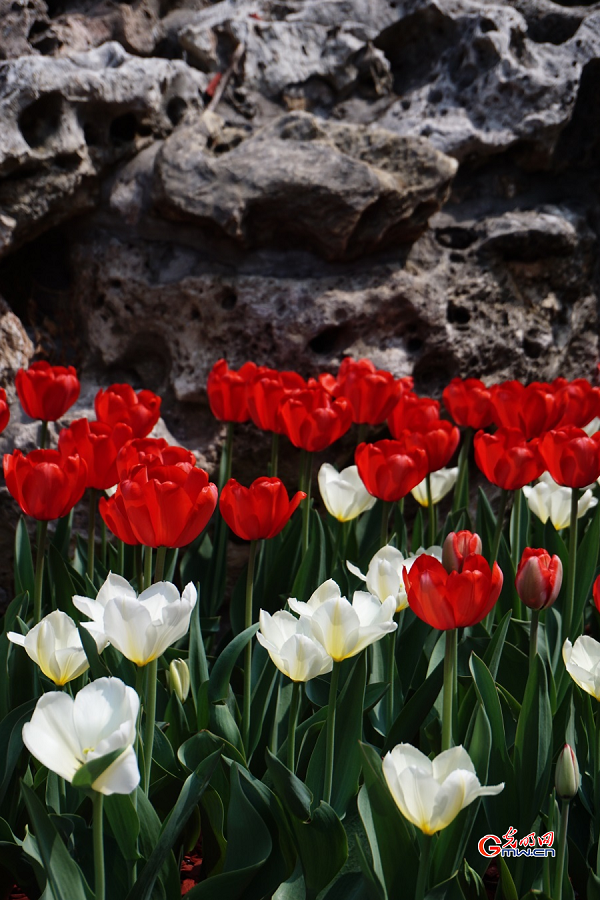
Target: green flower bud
179	679
567	774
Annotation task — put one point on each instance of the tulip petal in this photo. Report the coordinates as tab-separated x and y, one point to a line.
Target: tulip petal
50	736
121	777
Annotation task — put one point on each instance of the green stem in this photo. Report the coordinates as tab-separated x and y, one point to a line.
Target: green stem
385	517
99	884
431	510
308	462
363	430
391	642
335	675
292	723
91	534
423	866
43	435
274	455
102	541
248	649
546	865
39	571
515	547
159	569
120	557
449	669
337	547
498	530
462	482
139	566
533	636
151	679
147	567
562	848
570	595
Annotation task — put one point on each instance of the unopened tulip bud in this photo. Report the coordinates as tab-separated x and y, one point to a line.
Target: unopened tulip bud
179	679
567	774
457	546
539	578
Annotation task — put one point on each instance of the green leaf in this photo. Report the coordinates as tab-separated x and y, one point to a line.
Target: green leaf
63	586
197	657
293	793
416	709
322	846
91	771
11	742
507	887
587	561
124	823
65	878
218	685
24	571
533	747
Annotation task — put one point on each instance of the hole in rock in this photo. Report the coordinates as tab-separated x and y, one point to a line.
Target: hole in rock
457	315
176	108
38	27
229	300
532	348
553	28
414	344
40	121
124	128
327	341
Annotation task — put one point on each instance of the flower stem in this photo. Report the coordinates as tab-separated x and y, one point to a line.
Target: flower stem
91	547
449	669
147	567
533	636
248	649
151	677
97	829
562	848
570	596
274	455
515	548
431	510
102	541
363	430
498	530
391	642
462	482
120	557
335	674
423	865
292	722
385	517
159	570
39	571
307	482
43	435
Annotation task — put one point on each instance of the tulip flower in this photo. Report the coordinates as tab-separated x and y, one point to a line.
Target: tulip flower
431	793
549	500
413	413
532	409
141	628
539	578
582	662
567	777
507	459
265	393
456	599
579	401
390	469
98	444
259	511
292	646
469	402
596	593
457	547
344	494
228	391
161	506
143	451
571	457
55	646
4	410
440	441
46	392
64	734
120	403
312	419
372	393
45	484
179	678
441	483
385	575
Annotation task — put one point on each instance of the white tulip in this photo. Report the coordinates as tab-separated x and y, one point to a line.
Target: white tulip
344	494
582	662
292	646
64	734
179	678
431	793
140	627
384	576
549	500
592	427
442	483
343	628
55	646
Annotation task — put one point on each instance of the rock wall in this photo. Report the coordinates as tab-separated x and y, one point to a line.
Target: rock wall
296	180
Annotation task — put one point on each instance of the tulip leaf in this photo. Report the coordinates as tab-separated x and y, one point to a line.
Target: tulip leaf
65	878
313	568
223	724
11	742
585	572
201	745
197	656
124	823
507	885
212	820
416	709
349	886
533	747
218	685
264	681
63	585
188	799
97	666
293	793
519	528
91	771
24	572
485	523
322	847
163	754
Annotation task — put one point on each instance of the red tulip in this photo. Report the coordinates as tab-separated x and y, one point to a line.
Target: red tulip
228	391
596	593
452	600
571	457
99	445
143	451
579	401
469	402
120	403
46	392
372	393
45	484
412	413
533	409
507	459
457	547
539	578
390	469
265	394
440	441
312	419
163	506
259	511
4	410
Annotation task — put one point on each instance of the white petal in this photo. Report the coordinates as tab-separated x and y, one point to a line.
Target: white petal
50	735
16	638
121	777
336	626
355	571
